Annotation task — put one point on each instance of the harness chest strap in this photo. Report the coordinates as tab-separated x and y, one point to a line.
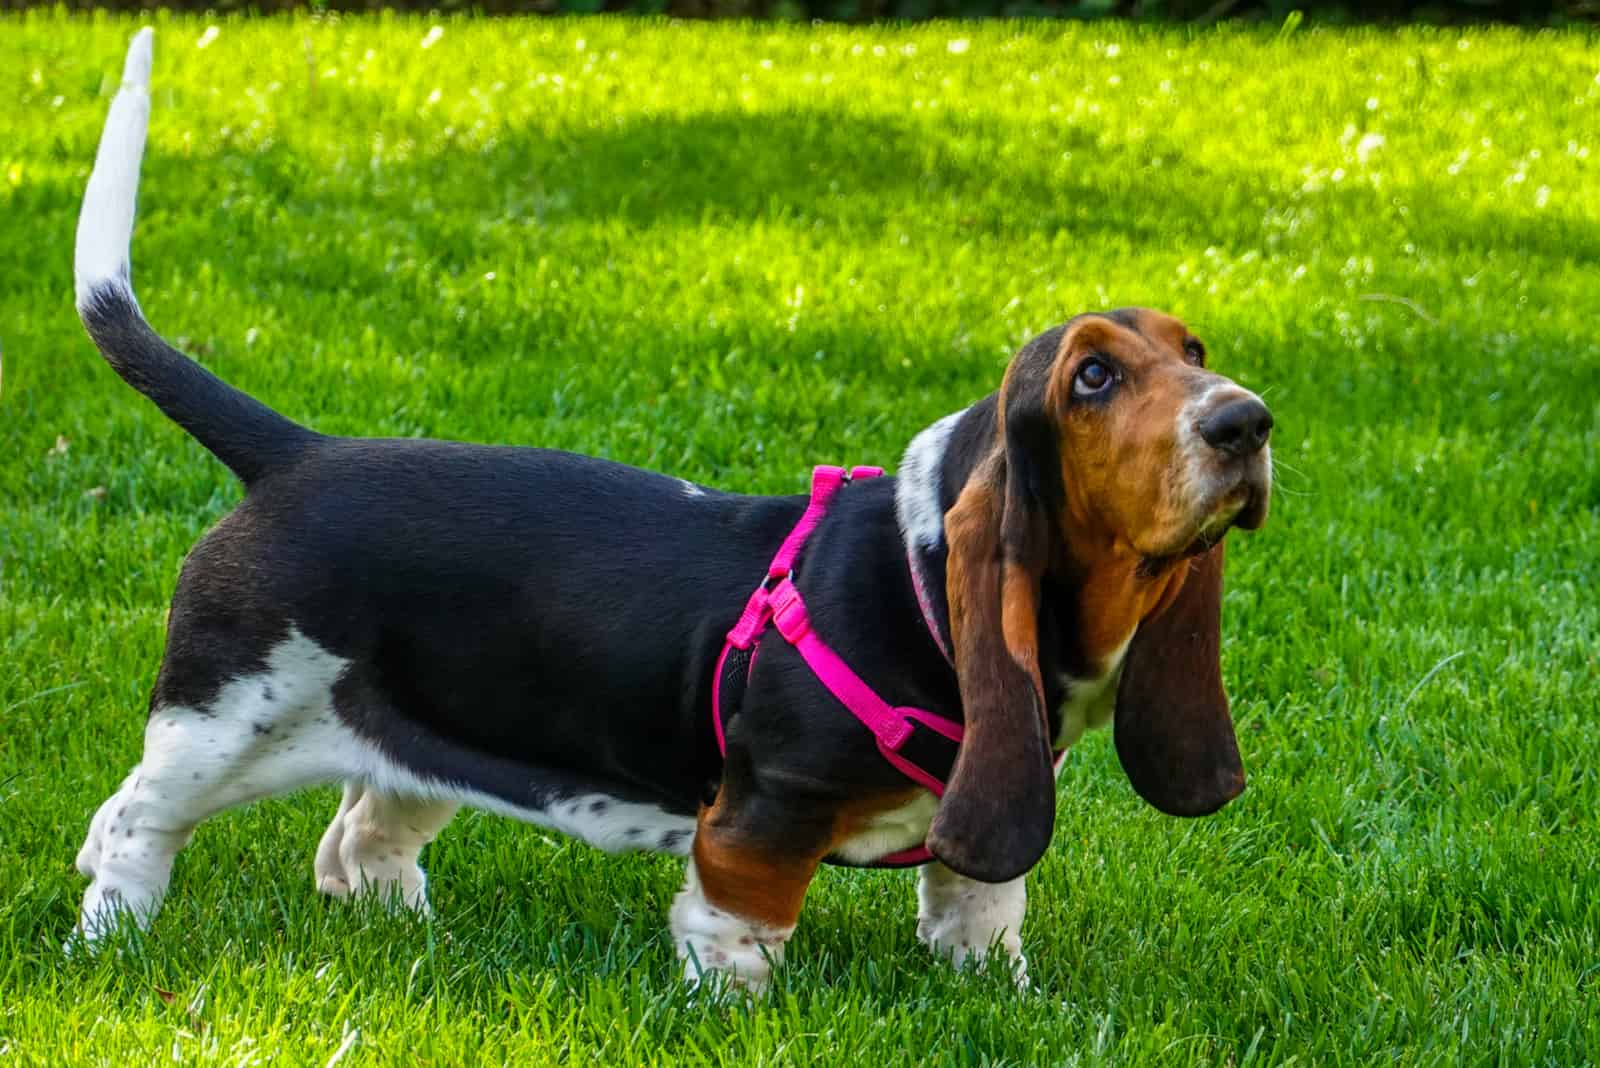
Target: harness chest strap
781	605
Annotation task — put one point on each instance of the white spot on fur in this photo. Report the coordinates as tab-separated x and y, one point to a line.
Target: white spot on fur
1090	702
616	826
916	493
105	223
889	832
690	489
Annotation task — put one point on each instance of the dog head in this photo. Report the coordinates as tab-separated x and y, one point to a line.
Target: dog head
1118	462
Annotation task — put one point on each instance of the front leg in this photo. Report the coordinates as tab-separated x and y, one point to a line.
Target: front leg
962	919
752	862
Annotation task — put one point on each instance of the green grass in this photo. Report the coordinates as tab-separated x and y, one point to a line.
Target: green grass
731	252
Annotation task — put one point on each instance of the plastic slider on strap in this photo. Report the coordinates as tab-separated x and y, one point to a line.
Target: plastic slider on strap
895	733
789	613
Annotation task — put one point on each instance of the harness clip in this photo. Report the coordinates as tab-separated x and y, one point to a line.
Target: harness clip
789	613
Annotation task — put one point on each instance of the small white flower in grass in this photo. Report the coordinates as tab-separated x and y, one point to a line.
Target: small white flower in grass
488	276
431	38
250	336
1368	145
580	44
957	46
211	34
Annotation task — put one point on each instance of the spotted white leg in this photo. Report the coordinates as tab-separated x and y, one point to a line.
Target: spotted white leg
260	736
193	766
373	843
962	919
712	939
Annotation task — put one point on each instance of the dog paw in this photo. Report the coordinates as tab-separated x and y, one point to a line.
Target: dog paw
333	885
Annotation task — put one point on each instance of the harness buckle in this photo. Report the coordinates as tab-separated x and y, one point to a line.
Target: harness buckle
789	613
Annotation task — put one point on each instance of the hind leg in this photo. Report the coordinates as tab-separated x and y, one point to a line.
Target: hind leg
373	843
263	734
107	815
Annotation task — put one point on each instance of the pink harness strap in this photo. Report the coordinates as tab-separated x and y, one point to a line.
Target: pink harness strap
778	601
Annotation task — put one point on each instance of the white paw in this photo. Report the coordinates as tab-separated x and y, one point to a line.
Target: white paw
364	865
397	884
961	947
333	885
710	940
106	908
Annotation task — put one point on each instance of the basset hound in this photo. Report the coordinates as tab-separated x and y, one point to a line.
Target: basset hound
539	633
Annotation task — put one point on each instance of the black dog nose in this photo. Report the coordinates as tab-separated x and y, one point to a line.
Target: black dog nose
1238	428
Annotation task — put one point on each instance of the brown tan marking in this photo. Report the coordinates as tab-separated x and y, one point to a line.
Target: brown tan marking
765	886
1121	462
1019	602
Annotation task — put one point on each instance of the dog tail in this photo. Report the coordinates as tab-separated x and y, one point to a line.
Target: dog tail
243	433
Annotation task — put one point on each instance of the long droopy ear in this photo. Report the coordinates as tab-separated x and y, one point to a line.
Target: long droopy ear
1173	732
996	816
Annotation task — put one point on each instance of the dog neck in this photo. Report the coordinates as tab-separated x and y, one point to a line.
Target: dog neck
920	501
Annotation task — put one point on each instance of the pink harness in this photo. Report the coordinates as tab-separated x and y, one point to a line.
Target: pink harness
782	606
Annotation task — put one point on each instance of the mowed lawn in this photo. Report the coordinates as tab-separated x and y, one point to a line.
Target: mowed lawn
731	252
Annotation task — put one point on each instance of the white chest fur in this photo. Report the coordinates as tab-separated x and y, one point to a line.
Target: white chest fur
889	832
1090	701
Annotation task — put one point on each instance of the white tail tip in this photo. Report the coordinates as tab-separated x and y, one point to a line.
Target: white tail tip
136	71
105	224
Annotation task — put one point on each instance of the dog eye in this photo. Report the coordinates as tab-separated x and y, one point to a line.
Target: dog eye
1195	352
1093	378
